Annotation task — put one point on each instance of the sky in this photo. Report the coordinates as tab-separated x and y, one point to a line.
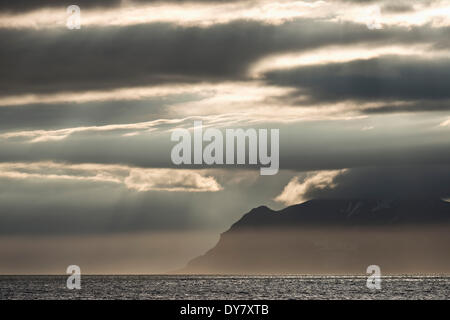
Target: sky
359	90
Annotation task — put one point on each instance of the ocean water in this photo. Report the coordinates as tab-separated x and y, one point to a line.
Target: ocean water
224	287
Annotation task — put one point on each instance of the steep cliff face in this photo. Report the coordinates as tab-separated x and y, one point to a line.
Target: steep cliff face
335	236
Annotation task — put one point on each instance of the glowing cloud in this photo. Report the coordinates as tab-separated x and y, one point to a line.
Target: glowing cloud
297	191
133	178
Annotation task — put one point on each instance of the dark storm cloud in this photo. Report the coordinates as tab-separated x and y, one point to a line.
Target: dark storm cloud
416	106
147	150
381	79
68	115
303	147
397	7
410	182
17	6
324	149
422	2
98	58
28	5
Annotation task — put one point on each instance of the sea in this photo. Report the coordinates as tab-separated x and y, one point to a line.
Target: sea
198	287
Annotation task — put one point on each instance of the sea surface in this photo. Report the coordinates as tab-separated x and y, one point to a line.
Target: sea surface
224	287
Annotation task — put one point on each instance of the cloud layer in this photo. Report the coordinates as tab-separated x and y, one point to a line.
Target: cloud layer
132	178
360	91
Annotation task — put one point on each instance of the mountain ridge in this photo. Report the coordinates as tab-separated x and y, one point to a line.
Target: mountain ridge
349	212
327	236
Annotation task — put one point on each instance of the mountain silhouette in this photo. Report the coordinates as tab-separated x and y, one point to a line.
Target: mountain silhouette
335	236
349	212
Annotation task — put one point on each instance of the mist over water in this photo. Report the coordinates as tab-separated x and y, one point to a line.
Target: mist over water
328	251
125	253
